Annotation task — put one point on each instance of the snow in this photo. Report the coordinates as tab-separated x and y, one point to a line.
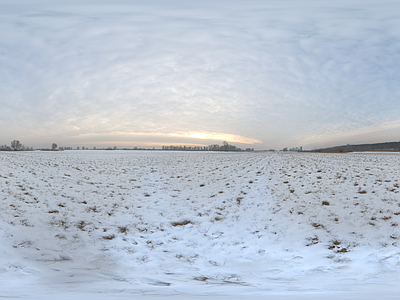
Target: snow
199	225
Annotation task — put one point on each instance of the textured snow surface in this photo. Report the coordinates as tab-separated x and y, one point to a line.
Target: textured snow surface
178	225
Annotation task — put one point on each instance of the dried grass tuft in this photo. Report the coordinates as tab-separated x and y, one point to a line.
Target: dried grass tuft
181	223
108	237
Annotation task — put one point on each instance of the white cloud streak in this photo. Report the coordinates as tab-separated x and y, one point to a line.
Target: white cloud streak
286	73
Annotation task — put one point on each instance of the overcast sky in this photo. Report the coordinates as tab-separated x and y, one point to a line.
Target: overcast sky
263	74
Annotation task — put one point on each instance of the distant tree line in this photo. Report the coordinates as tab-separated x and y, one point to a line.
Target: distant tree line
388	146
294	149
215	147
15	145
108	148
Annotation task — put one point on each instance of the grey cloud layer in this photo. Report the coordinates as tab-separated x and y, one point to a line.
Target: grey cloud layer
293	72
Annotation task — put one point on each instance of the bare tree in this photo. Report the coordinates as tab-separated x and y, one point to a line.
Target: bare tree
53	146
16	145
225	145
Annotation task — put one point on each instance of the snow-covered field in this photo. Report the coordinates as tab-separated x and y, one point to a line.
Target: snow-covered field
101	224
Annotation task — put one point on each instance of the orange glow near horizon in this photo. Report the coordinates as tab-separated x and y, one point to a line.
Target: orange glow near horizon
230	138
217	136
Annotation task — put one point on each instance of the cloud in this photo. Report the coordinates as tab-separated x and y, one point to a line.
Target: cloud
286	73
